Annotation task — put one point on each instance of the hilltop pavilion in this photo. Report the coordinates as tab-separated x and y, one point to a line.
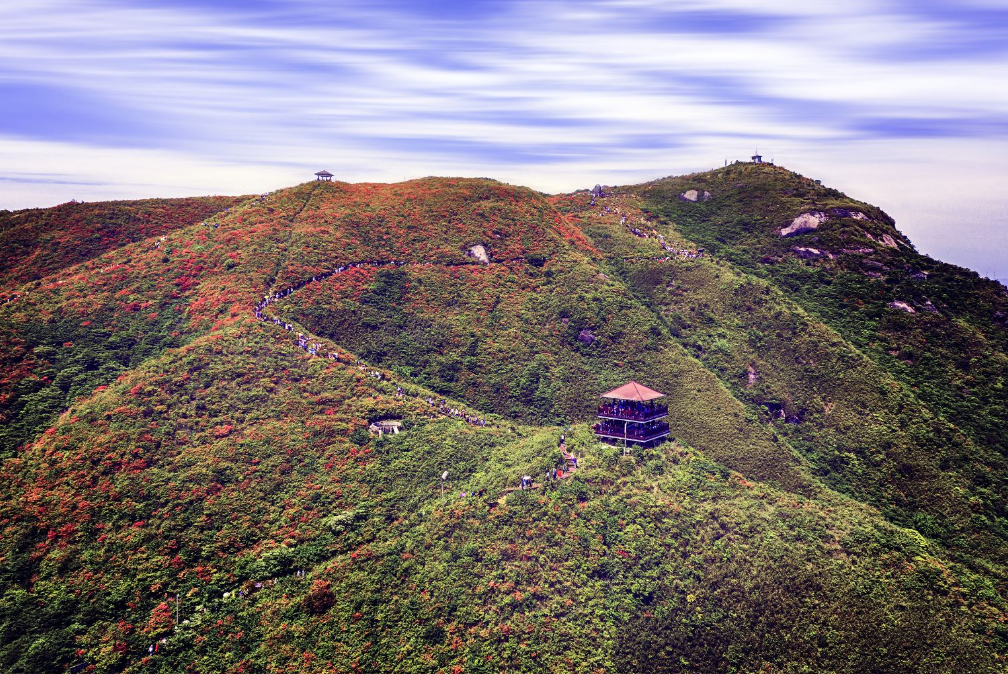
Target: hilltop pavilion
630	413
323	175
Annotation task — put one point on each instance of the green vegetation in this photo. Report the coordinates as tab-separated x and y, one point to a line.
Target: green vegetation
820	509
920	394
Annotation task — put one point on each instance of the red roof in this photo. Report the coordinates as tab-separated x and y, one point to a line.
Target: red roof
633	391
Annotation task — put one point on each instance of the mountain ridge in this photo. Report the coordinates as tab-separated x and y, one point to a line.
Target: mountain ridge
218	455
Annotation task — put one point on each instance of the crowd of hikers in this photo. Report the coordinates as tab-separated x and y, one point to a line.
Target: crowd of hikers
680	252
567	466
685	253
632	409
621	429
445	410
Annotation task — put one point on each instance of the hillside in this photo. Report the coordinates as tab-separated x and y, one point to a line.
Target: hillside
825	505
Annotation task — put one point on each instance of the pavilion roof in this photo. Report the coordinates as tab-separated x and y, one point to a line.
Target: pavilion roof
324	174
633	391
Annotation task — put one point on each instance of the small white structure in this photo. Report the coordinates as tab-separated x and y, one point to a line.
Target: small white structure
386	426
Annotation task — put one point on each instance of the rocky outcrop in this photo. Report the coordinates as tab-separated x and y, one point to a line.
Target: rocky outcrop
695	195
902	306
886	240
751	376
479	253
845	213
806	222
812	253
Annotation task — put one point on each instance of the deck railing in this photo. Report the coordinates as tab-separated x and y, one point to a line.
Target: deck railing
632	433
633	414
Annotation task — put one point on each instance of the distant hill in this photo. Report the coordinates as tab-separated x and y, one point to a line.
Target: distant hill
187	388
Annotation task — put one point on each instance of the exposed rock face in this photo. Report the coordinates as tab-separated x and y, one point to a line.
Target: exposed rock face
806	222
889	241
812	253
844	213
751	376
586	337
695	195
902	306
478	252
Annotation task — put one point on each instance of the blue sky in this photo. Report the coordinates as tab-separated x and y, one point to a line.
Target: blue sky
901	103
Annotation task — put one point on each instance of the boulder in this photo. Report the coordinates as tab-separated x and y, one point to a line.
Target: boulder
902	306
479	253
888	241
690	195
586	337
806	222
706	195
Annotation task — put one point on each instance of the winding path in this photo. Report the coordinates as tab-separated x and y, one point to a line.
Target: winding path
319	348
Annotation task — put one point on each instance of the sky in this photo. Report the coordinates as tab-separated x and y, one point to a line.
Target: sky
901	103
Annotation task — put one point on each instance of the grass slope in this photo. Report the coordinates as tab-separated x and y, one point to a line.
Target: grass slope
228	463
212	460
864	431
40	241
